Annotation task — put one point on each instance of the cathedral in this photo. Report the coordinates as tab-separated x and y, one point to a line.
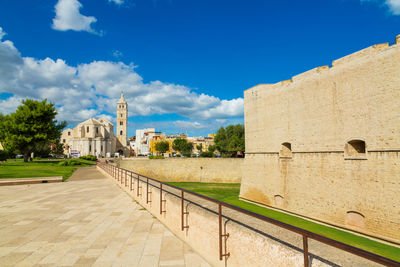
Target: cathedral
96	136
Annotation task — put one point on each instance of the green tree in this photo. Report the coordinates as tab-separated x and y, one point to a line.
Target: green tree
162	147
230	140
57	149
200	147
183	146
3	155
31	127
211	148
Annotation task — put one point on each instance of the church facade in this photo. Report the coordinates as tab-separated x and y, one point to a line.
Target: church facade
96	136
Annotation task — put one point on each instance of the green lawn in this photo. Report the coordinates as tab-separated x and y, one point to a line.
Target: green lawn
38	168
229	193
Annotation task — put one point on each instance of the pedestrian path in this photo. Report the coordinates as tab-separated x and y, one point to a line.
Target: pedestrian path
86	221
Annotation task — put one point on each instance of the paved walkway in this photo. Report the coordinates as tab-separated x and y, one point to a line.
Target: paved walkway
86	221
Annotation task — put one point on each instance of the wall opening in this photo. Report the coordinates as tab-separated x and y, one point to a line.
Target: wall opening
278	199
286	150
355	148
356	219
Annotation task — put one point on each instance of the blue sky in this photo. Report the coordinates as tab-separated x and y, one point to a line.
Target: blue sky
182	64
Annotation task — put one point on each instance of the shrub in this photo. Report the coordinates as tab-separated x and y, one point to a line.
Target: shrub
89	157
70	162
156	157
207	154
3	155
187	154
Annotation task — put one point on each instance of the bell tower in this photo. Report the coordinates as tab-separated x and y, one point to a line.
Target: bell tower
122	122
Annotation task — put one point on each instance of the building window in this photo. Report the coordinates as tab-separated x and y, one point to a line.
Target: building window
101	148
87	129
69	133
121	115
355	148
286	150
63	140
120	133
90	148
97	130
121	123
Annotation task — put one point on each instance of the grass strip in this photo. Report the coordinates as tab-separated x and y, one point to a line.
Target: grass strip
39	168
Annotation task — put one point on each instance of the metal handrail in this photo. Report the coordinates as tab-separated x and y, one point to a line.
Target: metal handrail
305	233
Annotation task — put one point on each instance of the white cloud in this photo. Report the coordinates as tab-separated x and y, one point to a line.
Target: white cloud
117	54
118	2
394	6
189	125
68	17
93	89
2	33
9	105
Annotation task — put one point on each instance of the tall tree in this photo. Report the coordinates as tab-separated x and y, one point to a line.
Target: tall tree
183	146
200	147
30	127
162	147
230	140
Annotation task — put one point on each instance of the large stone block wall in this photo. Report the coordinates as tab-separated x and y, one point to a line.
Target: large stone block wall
206	170
318	112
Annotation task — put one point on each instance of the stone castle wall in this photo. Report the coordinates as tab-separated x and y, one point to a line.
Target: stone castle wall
206	170
305	142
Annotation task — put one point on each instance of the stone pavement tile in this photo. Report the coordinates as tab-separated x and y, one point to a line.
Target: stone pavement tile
13	258
172	263
32	259
31	246
109	254
149	261
68	259
6	250
85	261
152	247
129	257
194	260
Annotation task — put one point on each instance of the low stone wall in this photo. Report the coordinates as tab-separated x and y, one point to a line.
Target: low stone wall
247	245
206	170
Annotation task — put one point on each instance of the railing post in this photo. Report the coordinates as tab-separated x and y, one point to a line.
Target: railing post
160	198
138	187
221	235
130	184
305	250
147	191
182	213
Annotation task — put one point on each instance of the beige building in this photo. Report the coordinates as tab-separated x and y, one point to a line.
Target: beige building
96	136
91	137
122	127
326	143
